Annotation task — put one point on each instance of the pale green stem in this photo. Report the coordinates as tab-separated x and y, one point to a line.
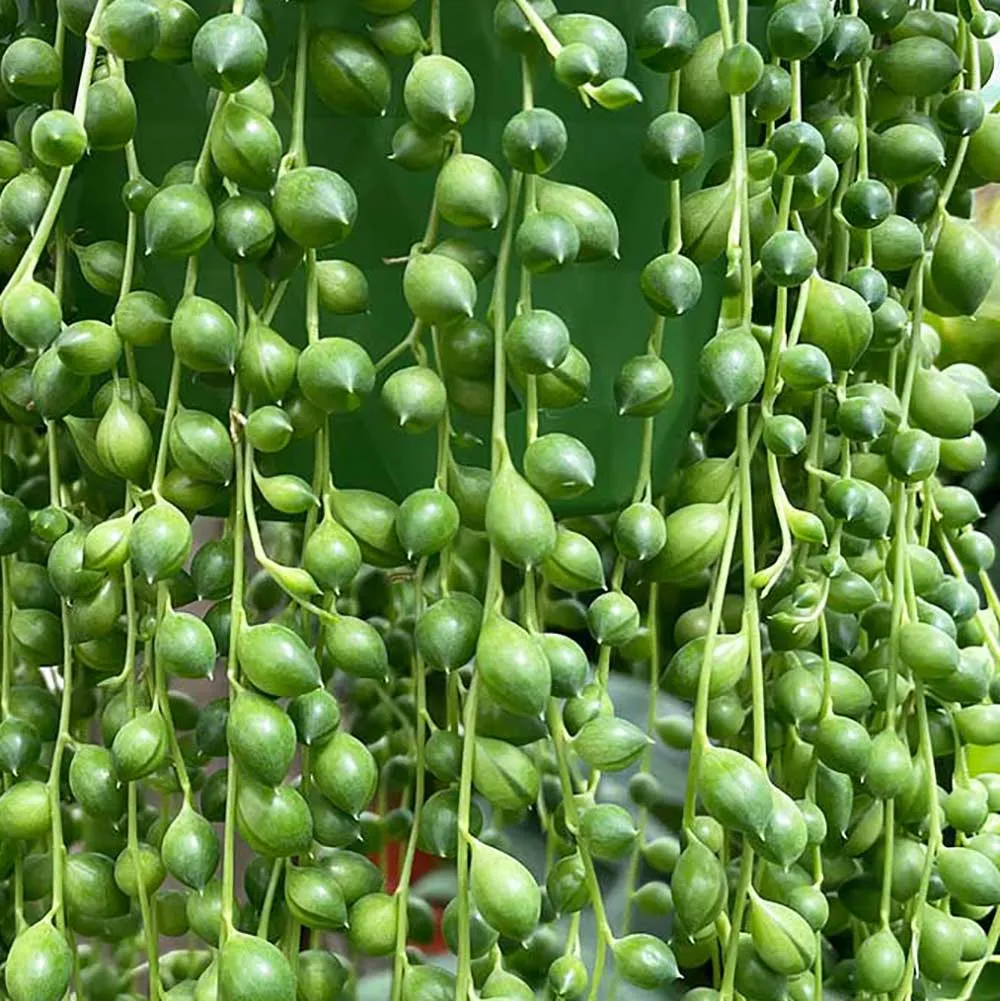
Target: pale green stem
653	625
406	872
464	977
232	668
297	147
265	908
700	738
173	399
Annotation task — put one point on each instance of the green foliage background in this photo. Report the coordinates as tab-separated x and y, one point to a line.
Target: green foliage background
601	303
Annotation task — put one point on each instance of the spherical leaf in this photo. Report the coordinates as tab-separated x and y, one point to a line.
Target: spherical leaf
428	520
246	147
781	937
58	139
140	747
275	822
917	66
446	634
39	964
32	315
666	38
314	898
609	743
438	290
23	202
504	775
546	242
335	373
277	661
613	618
730	655
699	887
575	563
518	521
315	715
969	876
397	34
643	387
534	140
372	924
788	258
471	192
229	52
350	76
178	221
25	813
837	320
594	221
371	519
504	892
559	466
342	287
607	831
439	93
261	737
314	206
645	960
513	667
266	363
30	70
731	368
252	969
735	790
355	647
415	397
345	773
190	849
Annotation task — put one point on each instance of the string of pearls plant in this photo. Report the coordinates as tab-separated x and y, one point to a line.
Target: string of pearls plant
414	676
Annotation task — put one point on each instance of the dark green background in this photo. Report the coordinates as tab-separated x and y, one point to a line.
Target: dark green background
601	302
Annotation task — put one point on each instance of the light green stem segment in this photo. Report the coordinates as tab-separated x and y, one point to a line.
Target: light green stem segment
552	44
743	887
419	785
55	770
169	412
498	315
163	700
146	911
605	935
435	32
752	624
494	592
5	680
751	609
266	907
8	639
700	738
232	669
464	978
297	147
652	624
905	990
898	609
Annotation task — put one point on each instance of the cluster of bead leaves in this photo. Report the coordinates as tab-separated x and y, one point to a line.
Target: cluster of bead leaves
840	663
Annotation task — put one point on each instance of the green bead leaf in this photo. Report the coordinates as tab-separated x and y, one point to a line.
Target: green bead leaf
504	892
